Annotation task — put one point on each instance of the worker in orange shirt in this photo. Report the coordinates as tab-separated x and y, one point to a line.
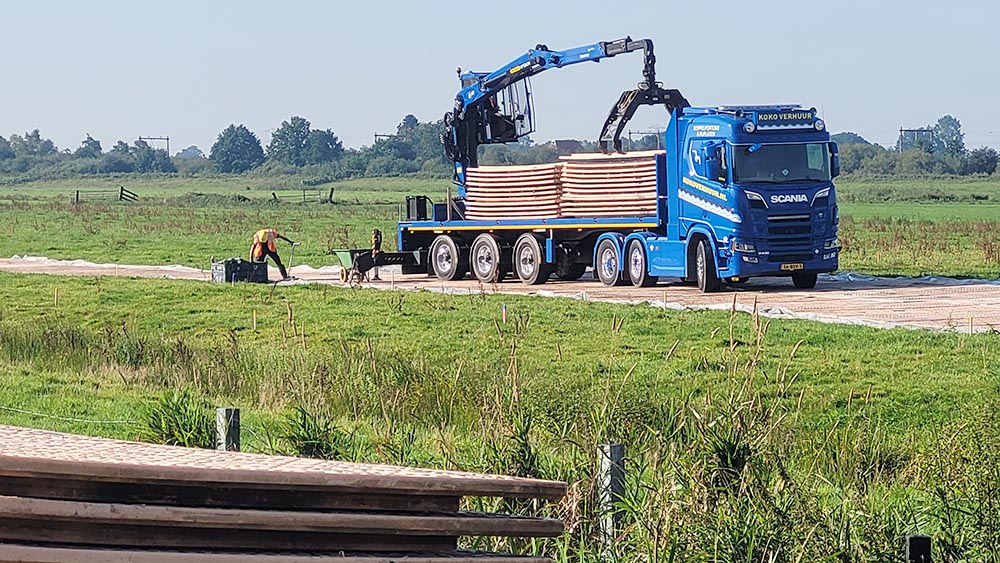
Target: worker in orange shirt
263	246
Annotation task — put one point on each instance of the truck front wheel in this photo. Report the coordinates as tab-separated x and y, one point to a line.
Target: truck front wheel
638	267
804	280
446	259
529	262
708	280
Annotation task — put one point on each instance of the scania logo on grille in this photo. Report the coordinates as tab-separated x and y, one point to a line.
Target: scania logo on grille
789	198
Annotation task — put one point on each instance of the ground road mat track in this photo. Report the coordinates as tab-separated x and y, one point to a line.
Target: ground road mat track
76	498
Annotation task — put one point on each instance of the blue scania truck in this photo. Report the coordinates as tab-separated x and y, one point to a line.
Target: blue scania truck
740	191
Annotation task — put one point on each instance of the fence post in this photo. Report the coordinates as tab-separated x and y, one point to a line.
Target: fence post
227	429
918	549
611	490
331	195
77	200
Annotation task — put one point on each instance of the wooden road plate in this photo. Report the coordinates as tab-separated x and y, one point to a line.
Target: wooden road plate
522	168
611	157
35	553
56	457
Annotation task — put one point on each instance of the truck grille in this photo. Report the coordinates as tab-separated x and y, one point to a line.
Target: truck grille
790	234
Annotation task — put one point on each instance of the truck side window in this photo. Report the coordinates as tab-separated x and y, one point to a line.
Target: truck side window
698	167
723	164
696	164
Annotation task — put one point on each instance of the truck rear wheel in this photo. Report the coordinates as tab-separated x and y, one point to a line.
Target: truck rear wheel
446	259
486	259
638	266
529	262
606	266
708	281
804	280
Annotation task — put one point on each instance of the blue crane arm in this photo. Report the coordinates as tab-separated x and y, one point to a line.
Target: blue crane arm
474	121
481	85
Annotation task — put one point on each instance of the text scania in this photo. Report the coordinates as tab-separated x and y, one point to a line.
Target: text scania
789	198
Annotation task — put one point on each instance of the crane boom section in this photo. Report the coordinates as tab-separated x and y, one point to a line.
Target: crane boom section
480	85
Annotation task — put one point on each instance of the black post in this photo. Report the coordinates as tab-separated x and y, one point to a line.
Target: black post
77	200
918	549
611	491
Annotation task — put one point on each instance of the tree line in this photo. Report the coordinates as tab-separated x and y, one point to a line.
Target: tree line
296	147
937	149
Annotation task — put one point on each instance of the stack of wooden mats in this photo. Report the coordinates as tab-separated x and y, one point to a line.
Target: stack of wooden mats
582	185
501	192
600	185
66	498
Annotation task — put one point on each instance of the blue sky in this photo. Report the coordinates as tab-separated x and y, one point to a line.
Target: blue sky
185	69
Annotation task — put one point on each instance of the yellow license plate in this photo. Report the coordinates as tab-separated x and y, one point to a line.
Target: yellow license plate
792	266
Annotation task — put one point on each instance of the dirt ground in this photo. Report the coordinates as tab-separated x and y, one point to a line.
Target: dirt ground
924	303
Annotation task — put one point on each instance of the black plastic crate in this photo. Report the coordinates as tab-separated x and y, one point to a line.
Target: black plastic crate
238	269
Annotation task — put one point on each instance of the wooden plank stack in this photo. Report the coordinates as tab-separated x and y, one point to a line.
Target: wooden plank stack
582	185
498	192
82	499
602	185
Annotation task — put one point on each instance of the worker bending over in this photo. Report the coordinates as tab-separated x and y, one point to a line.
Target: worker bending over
263	246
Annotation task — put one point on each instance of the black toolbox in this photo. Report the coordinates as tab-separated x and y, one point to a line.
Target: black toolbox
238	269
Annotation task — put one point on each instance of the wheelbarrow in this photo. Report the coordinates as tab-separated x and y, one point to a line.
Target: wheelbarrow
355	263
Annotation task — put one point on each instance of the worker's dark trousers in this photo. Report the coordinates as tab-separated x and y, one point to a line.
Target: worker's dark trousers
277	261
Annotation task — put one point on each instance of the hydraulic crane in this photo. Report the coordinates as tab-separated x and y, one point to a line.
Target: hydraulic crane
496	107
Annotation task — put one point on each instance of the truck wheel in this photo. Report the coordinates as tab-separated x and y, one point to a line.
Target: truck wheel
446	259
804	280
708	281
486	259
607	268
638	270
529	262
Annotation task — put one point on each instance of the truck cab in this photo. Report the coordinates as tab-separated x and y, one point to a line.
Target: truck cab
754	184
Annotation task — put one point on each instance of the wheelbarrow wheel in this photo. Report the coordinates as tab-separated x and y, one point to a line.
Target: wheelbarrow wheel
343	274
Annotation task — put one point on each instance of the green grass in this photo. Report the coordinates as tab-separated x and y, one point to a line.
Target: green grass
830	416
794	441
288	188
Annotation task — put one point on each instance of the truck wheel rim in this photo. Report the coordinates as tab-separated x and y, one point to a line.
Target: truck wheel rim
444	259
484	260
701	265
608	264
636	261
526	259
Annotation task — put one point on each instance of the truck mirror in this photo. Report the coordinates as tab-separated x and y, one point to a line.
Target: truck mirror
834	160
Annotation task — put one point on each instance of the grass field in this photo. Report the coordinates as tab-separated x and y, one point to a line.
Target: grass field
723	417
942	227
786	441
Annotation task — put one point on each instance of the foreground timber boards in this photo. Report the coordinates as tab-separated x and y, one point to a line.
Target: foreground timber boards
77	498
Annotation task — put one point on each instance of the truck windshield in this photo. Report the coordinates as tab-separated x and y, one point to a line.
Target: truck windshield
781	163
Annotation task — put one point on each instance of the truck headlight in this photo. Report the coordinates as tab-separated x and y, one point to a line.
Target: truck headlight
744	247
831	244
819	125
